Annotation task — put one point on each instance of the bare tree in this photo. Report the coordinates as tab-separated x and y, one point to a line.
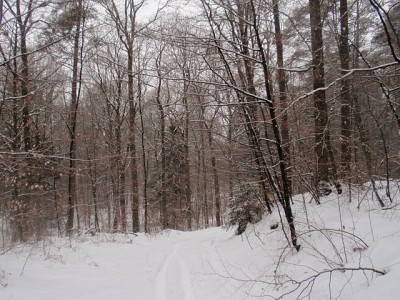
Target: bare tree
128	28
282	85
326	169
250	53
346	103
78	8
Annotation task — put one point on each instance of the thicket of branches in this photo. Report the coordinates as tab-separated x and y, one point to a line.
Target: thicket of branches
125	116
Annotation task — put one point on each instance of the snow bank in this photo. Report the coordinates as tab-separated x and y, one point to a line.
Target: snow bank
346	247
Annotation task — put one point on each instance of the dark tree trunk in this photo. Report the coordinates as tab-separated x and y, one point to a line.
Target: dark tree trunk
120	176
217	196
72	176
346	103
188	193
20	203
282	83
250	109
93	182
284	195
132	142
144	156
326	169
202	160
24	78
163	195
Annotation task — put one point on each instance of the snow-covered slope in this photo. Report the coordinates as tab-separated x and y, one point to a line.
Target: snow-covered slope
344	252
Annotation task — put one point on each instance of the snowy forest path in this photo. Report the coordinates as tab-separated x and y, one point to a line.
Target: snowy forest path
188	269
174	277
170	265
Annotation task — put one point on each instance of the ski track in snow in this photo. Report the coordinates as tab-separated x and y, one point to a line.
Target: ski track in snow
167	285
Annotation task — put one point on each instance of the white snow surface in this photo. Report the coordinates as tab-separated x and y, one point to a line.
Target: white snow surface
343	250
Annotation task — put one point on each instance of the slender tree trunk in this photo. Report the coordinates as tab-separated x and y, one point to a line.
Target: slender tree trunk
282	83
217	196
364	146
56	208
144	155
93	183
230	153
285	195
346	105
109	205
113	203
202	168
206	213
362	129
15	206
250	109
72	176
132	142
96	205
204	176
120	176
1	11
163	212
188	193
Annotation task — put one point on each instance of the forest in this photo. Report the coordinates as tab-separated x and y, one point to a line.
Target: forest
138	116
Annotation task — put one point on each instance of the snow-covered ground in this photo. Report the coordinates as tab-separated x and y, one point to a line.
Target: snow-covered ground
344	252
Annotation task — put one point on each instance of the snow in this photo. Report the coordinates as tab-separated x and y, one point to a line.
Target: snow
343	250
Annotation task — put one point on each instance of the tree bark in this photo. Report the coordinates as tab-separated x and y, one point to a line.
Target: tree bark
163	212
144	155
188	193
132	143
72	121
282	83
217	196
326	169
21	89
284	195
346	103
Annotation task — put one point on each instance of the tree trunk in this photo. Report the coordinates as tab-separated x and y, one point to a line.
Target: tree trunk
93	183
24	78
326	169
361	126
188	193
204	176
20	203
217	196
282	83
346	103
144	156
132	142
120	176
250	109
283	195
163	212
73	111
